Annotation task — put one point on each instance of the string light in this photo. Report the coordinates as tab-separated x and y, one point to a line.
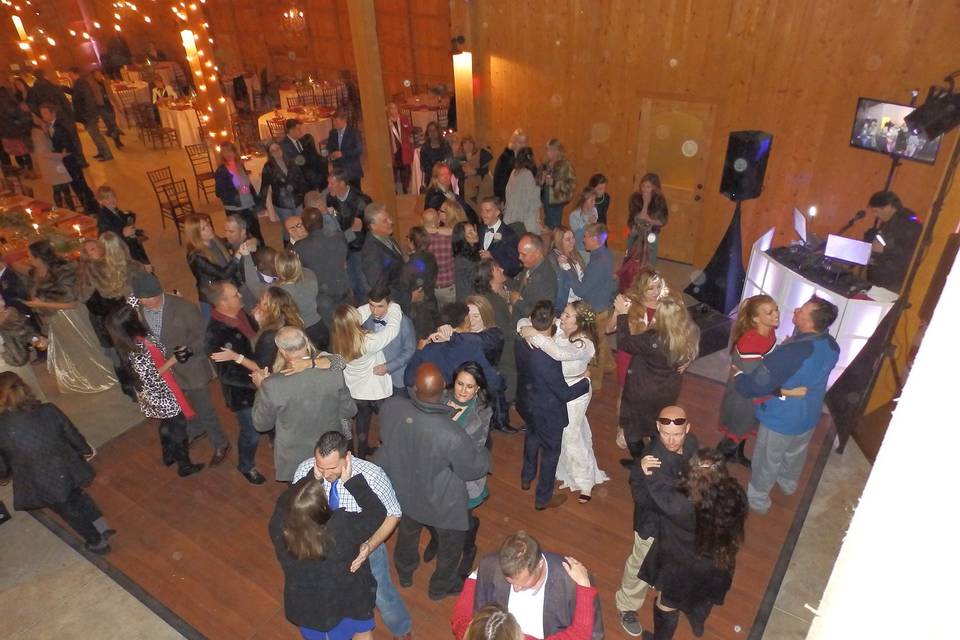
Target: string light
146	19
96	25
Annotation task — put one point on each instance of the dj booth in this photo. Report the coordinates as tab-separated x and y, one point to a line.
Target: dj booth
791	275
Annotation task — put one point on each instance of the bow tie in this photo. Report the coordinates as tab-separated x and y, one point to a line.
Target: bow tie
380	322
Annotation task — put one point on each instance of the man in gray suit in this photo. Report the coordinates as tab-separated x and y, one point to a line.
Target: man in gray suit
179	323
302	405
429	458
324	251
537	281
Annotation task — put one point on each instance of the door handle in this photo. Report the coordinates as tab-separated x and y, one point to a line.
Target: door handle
696	198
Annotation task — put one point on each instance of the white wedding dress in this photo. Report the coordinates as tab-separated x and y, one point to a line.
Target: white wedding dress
578	469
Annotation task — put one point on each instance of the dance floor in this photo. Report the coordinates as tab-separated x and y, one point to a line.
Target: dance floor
200	546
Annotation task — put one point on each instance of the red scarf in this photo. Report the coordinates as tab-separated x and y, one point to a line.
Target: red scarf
241	323
168	378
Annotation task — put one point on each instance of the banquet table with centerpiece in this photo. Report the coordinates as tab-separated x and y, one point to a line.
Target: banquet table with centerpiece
316	121
24	220
180	116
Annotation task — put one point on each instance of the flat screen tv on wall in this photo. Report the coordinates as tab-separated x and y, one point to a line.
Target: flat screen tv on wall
879	126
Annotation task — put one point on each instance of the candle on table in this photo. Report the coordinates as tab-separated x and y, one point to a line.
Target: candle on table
76	228
36	228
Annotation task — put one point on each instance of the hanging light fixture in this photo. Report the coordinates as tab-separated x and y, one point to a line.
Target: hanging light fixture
293	20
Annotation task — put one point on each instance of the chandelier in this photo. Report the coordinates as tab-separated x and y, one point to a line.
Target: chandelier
293	20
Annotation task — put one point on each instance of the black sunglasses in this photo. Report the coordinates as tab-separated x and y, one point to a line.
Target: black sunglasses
668	421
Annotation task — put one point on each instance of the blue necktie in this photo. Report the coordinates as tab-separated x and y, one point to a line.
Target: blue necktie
334	498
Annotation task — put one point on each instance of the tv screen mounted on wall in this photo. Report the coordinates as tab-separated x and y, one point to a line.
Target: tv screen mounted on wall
879	126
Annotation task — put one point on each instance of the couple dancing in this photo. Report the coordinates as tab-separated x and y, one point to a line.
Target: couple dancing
553	393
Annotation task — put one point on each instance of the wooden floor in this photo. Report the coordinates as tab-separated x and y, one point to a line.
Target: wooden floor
200	544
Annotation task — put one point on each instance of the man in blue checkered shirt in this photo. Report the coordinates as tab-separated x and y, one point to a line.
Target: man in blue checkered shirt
327	464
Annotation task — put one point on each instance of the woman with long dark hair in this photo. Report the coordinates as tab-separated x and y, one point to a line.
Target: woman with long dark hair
316	543
158	392
692	560
74	354
235	191
286	182
491	285
433	150
209	257
466	259
49	461
420	271
598	182
648	214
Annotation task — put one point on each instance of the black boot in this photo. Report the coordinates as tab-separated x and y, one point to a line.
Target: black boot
727	448
182	455
167	448
740	457
469	548
664	624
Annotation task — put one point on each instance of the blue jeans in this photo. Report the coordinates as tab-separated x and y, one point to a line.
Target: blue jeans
358	281
392	609
247	440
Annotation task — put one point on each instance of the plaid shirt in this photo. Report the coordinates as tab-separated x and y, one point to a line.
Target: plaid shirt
376	478
441	247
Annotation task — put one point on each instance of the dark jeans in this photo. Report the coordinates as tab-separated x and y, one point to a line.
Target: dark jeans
543	442
79	183
247	440
62	197
361	431
469	545
110	120
406	554
80	511
552	215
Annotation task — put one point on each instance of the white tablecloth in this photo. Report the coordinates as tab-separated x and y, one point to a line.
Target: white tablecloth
184	122
141	92
328	95
166	70
319	129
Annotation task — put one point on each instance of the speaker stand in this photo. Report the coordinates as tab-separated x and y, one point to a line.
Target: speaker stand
724	274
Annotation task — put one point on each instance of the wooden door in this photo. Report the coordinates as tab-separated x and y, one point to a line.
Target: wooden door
674	143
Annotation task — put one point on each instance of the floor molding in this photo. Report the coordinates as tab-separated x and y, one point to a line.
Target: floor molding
182	627
786	552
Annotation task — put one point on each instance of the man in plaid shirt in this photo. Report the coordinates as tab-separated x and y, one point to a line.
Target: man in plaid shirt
327	464
441	246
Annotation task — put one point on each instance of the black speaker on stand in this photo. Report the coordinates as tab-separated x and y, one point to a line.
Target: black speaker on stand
720	287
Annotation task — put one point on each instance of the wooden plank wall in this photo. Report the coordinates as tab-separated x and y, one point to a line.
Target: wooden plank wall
577	71
414	36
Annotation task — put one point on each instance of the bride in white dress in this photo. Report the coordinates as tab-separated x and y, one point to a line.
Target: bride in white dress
573	345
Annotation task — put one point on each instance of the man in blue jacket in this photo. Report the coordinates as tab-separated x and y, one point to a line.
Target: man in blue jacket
787	424
398	351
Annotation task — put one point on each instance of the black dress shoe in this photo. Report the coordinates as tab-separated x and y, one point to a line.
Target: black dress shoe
168	458
117	142
505	428
454	590
101	548
405	581
219	455
253	476
525	485
189	470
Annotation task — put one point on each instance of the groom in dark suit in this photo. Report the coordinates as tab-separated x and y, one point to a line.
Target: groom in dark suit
542	397
497	240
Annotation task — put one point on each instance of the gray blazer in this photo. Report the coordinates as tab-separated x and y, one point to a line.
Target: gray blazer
539	283
398	351
301	407
183	324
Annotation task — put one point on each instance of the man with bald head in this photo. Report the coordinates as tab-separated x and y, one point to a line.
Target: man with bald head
429	459
663	462
537	281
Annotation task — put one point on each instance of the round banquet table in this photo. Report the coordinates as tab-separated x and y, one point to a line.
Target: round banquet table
319	128
165	70
141	91
184	121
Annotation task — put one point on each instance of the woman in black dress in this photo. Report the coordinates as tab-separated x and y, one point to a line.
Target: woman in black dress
287	185
316	542
466	259
433	150
692	560
49	461
658	358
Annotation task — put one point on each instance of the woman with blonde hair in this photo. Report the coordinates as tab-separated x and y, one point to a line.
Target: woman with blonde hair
362	351
574	345
557	181
103	286
209	257
450	213
275	310
658	358
754	335
564	256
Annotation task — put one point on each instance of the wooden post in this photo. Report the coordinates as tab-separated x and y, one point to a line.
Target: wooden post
471	113
378	178
210	101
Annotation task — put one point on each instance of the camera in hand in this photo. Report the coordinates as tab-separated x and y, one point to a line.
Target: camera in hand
183	353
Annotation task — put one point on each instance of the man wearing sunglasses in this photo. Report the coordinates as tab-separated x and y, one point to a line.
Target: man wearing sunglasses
664	462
